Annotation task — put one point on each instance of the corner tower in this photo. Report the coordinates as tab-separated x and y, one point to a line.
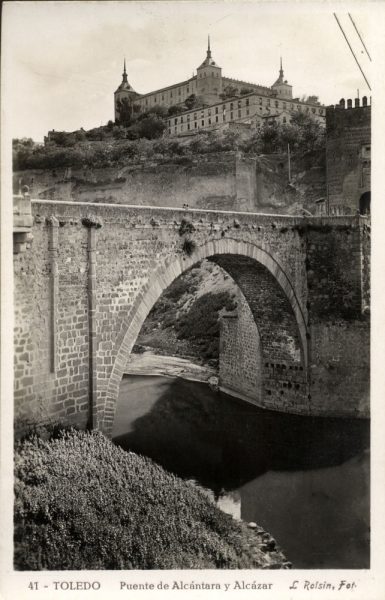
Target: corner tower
209	79
348	157
124	98
283	89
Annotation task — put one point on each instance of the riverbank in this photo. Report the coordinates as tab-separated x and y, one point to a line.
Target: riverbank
83	503
149	363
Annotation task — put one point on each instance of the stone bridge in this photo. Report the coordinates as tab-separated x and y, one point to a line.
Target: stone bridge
87	275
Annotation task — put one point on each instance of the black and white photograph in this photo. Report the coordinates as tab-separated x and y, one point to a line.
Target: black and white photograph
191	385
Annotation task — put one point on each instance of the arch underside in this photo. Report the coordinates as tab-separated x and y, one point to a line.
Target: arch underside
266	288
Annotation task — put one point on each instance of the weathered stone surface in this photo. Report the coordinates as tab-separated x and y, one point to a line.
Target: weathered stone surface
270	257
348	157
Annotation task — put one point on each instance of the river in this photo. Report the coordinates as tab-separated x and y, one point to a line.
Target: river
305	480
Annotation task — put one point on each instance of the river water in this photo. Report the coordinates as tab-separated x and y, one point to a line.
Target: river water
305	480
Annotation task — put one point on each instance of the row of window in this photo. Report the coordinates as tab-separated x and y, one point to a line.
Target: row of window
161	97
205	74
246	102
202	123
205	122
246	113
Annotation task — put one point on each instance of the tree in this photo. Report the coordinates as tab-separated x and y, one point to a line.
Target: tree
125	111
150	127
191	102
80	135
23	142
118	132
61	138
159	111
175	110
229	92
270	137
245	91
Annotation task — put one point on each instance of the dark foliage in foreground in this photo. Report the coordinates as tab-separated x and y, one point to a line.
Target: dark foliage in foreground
83	503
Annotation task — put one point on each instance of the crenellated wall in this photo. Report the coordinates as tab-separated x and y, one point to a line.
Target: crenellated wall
348	156
92	272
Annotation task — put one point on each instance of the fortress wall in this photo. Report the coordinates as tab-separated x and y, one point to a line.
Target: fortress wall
348	140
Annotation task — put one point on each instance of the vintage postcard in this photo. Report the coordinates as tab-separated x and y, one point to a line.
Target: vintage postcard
192	281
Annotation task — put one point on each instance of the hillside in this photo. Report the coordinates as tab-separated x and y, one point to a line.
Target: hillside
225	170
120	511
185	320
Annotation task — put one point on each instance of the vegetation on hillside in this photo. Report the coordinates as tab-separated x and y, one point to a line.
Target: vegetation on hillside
83	503
201	323
115	145
184	314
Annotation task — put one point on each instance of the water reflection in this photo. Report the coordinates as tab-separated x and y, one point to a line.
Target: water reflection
305	480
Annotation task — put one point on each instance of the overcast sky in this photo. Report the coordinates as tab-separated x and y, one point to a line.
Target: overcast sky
62	61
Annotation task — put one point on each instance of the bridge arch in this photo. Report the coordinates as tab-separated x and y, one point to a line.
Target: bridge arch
234	256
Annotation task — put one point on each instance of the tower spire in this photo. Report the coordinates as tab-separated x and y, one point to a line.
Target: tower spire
124	71
208	47
281	69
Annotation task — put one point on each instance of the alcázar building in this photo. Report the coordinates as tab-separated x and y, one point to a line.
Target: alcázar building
220	100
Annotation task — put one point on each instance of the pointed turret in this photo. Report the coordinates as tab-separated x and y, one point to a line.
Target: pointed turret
208	61
124	94
280	78
125	85
209	78
124	76
283	89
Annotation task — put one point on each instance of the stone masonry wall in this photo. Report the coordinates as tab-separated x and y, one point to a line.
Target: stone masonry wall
338	322
348	142
216	181
138	252
240	353
51	358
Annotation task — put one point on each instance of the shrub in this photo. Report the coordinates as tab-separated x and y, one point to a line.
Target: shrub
178	288
149	127
188	246
83	503
201	322
186	227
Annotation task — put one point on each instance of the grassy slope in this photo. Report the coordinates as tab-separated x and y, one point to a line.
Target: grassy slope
83	503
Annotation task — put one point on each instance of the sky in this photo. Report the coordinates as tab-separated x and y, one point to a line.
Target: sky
62	61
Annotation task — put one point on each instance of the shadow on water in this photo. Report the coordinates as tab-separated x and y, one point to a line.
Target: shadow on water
304	479
224	442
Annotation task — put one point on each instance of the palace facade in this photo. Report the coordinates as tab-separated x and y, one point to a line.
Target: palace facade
218	101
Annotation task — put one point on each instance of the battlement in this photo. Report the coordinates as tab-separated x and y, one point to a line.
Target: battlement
348	114
358	103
